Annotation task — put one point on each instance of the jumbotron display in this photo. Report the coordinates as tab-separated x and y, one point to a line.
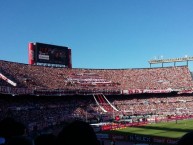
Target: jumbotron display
41	53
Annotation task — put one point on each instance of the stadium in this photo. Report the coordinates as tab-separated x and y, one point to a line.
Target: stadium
48	92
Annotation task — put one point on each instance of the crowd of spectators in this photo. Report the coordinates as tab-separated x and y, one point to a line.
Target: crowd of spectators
44	110
95	80
156	105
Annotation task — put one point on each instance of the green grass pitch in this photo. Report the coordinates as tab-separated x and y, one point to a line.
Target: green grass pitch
166	129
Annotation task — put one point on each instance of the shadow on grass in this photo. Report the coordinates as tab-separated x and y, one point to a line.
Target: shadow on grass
160	131
165	128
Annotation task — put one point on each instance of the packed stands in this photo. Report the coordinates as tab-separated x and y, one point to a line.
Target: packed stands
44	80
43	97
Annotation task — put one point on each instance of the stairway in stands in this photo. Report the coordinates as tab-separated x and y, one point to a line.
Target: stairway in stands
103	103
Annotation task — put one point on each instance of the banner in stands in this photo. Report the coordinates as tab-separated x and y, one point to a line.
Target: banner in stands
11	90
117	137
150	139
164	140
138	139
185	92
15	91
141	91
75	92
7	80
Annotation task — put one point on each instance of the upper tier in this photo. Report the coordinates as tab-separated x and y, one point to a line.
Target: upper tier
41	77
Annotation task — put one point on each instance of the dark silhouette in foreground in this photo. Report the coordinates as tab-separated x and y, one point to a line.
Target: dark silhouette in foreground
186	139
77	132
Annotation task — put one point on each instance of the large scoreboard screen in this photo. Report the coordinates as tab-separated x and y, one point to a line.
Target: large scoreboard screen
46	53
49	54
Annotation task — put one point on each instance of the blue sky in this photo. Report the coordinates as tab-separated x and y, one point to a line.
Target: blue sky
101	33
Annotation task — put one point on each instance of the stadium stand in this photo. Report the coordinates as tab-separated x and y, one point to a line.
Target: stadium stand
96	80
44	98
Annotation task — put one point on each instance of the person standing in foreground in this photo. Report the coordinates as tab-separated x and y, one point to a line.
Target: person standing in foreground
77	132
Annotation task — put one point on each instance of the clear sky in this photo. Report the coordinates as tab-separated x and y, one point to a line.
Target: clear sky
101	33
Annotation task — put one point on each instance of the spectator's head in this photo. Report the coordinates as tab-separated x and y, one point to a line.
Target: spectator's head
19	140
77	132
10	127
45	139
2	141
187	139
